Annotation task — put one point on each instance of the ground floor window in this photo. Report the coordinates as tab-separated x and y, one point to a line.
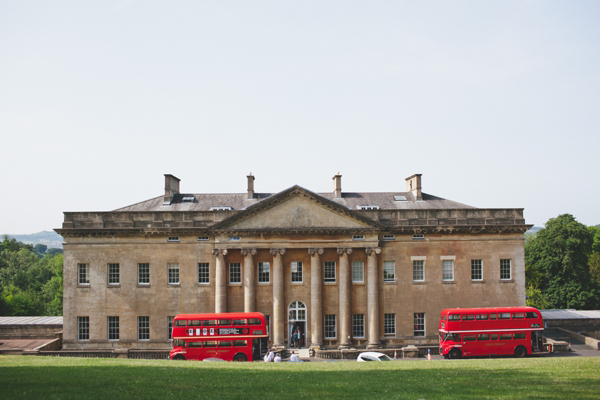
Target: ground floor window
170	327
419	324
358	325
330	327
83	328
113	328
143	328
389	324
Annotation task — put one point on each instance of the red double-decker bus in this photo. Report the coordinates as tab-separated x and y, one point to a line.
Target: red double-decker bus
475	332
228	336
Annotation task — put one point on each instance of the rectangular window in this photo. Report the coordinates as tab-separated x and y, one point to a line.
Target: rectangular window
330	327
329	271
203	273
505	269
143	328
264	272
83	274
389	324
418	270
173	239
506	336
203	238
235	273
83	328
418	237
483	336
113	328
389	271
419	324
143	274
358	271
476	270
296	267
113	274
358	325
389	237
173	272
170	327
235	238
358	237
447	270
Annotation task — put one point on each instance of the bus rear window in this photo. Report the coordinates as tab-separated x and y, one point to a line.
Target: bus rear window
444	317
224	322
468	317
239	322
181	322
210	322
454	317
254	321
194	323
240	343
210	344
531	315
194	344
519	315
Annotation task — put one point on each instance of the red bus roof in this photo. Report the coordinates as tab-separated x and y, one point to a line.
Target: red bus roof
232	315
487	310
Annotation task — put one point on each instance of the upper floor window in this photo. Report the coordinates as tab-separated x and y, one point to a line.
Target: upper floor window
221	208
235	273
447	270
203	238
358	237
143	274
83	274
264	272
389	271
418	270
203	273
296	268
173	274
476	270
329	271
418	237
505	272
389	237
234	238
358	271
173	239
113	274
368	207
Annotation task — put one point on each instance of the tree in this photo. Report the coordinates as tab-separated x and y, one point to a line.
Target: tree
557	264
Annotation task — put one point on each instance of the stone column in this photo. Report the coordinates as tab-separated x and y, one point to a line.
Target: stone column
220	281
278	321
373	297
316	297
345	288
249	280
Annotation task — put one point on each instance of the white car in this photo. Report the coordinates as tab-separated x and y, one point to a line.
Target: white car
372	356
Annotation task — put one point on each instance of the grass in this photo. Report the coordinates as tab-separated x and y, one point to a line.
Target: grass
23	377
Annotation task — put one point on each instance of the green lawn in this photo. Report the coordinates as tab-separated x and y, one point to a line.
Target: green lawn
54	377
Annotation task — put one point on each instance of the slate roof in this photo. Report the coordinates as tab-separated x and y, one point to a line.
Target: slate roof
31	320
570	314
239	201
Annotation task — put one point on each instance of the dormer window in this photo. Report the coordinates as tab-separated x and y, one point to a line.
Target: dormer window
188	199
368	207
221	208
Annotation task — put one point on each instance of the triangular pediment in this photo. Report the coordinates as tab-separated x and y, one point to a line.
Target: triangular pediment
296	209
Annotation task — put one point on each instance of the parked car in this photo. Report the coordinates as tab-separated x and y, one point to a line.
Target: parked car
372	356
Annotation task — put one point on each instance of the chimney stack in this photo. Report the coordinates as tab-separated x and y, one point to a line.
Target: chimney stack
337	185
250	186
413	185
171	188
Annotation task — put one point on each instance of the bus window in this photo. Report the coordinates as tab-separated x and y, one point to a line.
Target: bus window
483	336
239	322
254	321
224	344
468	317
194	344
210	344
494	336
178	343
455	337
469	338
531	315
240	343
519	336
224	322
444	317
181	322
481	317
210	322
492	316
505	336
504	315
454	317
194	323
519	315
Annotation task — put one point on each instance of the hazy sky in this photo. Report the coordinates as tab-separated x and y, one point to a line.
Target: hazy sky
496	103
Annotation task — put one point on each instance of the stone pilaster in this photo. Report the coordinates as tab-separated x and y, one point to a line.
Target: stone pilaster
373	297
345	291
249	280
316	297
220	281
278	324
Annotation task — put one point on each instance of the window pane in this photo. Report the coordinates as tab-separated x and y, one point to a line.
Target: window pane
330	327
476	270
358	325
505	269
235	273
447	270
358	271
113	274
170	327
418	270
143	328
389	324
203	273
389	271
83	328
113	328
173	271
419	329
264	272
296	268
329	271
143	273
84	274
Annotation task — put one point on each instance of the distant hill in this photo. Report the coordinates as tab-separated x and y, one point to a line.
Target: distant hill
535	229
49	238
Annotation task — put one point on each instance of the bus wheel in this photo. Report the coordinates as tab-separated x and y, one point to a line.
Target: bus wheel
520	351
455	354
179	357
240	357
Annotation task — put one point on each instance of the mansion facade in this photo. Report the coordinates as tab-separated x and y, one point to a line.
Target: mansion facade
346	269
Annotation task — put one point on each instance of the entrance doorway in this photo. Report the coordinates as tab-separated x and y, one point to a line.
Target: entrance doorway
297	324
